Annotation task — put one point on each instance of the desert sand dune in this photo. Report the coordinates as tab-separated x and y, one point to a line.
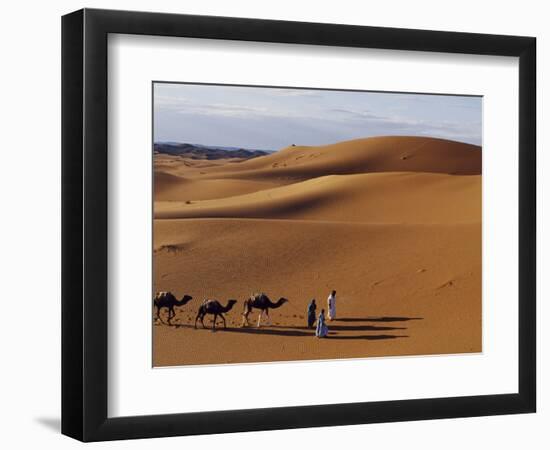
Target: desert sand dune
427	272
392	223
169	187
371	198
294	164
379	154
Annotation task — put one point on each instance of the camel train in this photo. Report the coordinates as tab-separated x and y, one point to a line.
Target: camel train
215	308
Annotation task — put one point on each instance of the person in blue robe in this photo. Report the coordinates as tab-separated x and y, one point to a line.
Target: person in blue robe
311	309
322	329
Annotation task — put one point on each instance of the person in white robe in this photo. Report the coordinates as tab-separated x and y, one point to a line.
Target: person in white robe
332	305
322	329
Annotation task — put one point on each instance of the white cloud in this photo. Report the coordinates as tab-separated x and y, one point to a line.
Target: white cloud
319	114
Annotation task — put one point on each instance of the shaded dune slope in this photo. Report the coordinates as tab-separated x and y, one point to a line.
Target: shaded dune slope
369	198
169	187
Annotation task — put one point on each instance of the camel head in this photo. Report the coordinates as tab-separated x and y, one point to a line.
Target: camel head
282	301
230	304
184	300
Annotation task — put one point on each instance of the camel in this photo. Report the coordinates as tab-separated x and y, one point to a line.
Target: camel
169	301
210	306
263	303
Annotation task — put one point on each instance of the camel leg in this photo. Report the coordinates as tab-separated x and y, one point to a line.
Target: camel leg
224	323
260	317
268	319
214	322
158	314
245	320
171	314
196	319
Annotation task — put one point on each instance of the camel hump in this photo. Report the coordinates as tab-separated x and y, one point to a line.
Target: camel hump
209	301
164	296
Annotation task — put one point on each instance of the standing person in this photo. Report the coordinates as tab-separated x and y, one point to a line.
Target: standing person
311	309
332	305
322	330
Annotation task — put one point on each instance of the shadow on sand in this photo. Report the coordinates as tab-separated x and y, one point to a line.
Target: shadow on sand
277	330
333	327
368	337
269	331
377	319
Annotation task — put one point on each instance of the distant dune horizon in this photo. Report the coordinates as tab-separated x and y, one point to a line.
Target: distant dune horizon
290	144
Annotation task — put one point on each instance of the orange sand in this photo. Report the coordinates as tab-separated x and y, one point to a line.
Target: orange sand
392	223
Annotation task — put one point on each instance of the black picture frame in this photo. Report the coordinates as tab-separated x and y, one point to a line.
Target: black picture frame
84	224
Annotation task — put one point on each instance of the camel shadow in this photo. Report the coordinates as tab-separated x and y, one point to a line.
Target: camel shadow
371	337
377	319
278	330
270	331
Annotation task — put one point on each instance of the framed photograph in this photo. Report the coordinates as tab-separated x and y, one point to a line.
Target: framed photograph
272	224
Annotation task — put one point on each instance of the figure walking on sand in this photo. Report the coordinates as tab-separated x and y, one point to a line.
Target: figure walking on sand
322	329
311	309
332	305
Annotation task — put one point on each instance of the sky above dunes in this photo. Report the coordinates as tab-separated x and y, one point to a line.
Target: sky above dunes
274	118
